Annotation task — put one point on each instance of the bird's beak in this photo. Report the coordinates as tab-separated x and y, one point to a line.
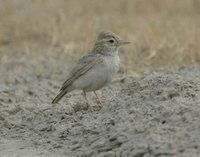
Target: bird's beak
123	42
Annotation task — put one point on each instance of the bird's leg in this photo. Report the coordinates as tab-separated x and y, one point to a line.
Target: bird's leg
97	97
86	99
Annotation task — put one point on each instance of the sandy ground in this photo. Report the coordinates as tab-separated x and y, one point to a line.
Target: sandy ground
157	114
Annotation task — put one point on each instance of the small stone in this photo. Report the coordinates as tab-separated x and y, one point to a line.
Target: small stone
107	154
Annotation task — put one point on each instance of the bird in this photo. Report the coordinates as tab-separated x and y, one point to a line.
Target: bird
96	69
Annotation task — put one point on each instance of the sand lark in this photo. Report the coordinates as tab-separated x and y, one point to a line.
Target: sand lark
96	69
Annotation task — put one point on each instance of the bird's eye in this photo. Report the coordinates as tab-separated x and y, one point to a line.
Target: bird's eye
111	41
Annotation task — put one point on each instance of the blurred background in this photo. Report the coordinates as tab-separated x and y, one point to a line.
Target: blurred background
164	33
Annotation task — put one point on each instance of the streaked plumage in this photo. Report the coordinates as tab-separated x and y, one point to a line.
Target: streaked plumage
96	69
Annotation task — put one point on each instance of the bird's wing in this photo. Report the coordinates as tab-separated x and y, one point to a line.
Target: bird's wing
83	65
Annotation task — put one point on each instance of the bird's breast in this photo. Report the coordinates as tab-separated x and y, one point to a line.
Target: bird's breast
112	66
100	75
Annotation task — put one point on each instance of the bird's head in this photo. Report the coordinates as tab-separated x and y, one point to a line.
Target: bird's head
108	43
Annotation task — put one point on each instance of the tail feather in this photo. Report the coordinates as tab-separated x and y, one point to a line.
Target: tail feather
59	96
62	93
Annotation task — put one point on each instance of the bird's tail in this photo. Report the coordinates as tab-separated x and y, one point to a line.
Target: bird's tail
62	92
59	96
